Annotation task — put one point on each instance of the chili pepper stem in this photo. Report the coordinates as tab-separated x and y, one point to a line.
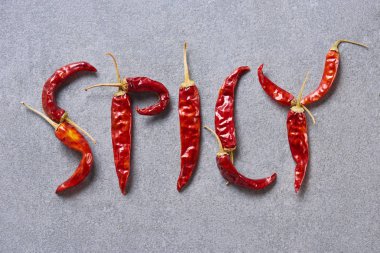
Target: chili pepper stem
103	84
188	82
231	153
116	66
68	120
51	122
221	150
300	107
335	46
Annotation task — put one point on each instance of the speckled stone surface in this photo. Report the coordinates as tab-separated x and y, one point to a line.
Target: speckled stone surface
338	208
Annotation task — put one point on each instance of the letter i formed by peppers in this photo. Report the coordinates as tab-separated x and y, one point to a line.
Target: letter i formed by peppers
225	134
296	120
65	129
190	125
121	117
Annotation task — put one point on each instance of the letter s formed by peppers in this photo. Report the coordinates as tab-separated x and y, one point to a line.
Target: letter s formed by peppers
65	128
121	117
296	119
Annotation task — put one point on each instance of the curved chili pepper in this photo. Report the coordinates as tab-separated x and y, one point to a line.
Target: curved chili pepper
51	86
72	139
329	73
230	173
224	110
190	126
145	84
56	81
277	93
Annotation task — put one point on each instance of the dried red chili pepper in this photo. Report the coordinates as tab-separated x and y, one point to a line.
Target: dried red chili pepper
230	173
121	117
71	138
55	82
224	110
329	73
145	84
190	126
298	139
277	93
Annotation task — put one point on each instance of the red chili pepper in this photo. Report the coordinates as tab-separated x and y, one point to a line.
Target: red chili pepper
144	84
55	82
329	73
121	117
121	132
224	110
190	126
277	93
69	136
230	173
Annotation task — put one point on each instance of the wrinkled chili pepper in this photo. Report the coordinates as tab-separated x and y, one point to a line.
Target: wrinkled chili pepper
190	126
71	138
224	111
56	81
230	173
121	117
329	73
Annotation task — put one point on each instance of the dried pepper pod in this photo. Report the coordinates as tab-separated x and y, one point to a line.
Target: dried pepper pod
329	73
71	138
190	126
230	173
224	110
121	117
53	84
298	140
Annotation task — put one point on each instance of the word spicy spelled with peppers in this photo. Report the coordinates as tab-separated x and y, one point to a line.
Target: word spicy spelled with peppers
189	112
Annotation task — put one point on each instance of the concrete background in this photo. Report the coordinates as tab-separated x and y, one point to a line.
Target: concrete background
338	209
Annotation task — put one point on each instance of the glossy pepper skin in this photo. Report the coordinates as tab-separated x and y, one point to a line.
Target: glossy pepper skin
274	91
329	73
121	132
72	139
145	84
189	113
299	145
229	172
56	81
224	110
190	125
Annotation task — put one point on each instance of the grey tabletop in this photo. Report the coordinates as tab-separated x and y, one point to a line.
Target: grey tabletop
338	207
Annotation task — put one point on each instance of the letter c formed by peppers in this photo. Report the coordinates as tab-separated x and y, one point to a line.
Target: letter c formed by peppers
225	134
65	129
121	117
296	120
